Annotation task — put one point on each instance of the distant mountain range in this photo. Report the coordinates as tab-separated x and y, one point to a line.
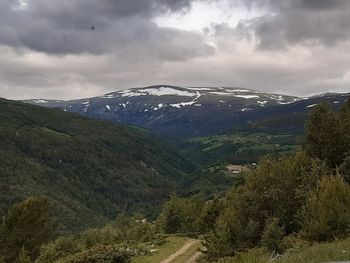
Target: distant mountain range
185	112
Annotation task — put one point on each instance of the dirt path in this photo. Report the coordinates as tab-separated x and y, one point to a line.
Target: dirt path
181	251
194	258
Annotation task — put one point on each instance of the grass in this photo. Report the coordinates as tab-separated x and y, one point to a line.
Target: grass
172	245
326	252
335	251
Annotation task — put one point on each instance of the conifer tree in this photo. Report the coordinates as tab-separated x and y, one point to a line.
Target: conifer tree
323	136
223	240
344	116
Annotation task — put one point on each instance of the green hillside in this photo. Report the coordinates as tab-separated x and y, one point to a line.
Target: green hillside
91	170
239	148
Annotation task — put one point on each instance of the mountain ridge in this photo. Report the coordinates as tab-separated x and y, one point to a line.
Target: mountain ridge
185	112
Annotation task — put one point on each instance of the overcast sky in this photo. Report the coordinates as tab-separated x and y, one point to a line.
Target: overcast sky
64	49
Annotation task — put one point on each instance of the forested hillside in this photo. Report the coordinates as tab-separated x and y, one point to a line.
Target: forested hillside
90	170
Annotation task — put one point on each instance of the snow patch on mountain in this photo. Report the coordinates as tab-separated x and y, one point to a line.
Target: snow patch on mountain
201	89
276	97
161	91
237	90
232	94
39	101
108	96
311	106
219	93
262	103
245	109
189	103
247	96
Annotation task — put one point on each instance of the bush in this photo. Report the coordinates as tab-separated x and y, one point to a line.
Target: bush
130	231
326	214
272	236
28	225
101	254
210	213
181	215
276	190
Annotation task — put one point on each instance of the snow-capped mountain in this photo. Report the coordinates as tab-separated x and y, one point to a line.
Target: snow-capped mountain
181	112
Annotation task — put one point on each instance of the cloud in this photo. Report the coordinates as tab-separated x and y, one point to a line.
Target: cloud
306	22
65	27
298	70
49	50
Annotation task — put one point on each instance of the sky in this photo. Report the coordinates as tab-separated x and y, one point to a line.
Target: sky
71	49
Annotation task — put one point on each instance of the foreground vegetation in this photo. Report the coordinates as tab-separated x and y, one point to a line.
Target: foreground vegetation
324	252
291	208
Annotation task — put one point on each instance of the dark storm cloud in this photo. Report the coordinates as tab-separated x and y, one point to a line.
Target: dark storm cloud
49	50
65	27
301	21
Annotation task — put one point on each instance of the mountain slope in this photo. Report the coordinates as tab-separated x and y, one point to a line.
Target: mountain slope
233	124
278	129
175	112
90	169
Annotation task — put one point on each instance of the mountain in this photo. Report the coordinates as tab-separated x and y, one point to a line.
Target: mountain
175	112
273	130
90	169
209	124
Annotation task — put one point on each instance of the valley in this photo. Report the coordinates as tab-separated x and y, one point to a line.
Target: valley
208	125
161	186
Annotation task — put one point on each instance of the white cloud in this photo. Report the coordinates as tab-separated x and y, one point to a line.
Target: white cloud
203	14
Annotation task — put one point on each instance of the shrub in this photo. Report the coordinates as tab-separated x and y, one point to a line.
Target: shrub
28	225
326	214
181	215
276	189
100	254
131	230
272	235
